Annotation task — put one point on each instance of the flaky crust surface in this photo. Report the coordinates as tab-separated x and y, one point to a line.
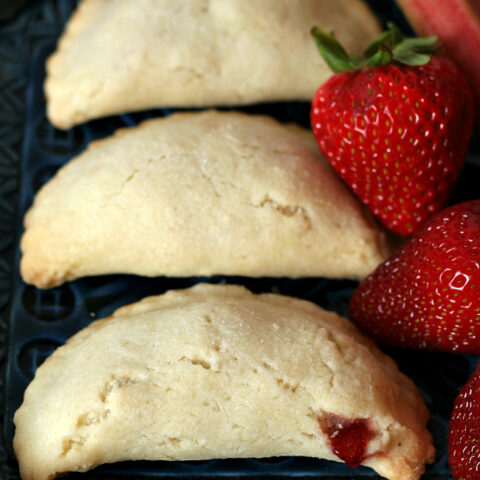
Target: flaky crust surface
199	194
216	372
117	56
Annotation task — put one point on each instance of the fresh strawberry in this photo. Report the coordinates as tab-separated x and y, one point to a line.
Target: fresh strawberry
427	295
464	431
395	126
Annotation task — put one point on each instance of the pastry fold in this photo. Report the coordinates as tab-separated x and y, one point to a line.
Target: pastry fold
118	56
199	194
217	372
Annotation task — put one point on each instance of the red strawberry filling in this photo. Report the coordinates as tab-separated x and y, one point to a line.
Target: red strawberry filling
348	437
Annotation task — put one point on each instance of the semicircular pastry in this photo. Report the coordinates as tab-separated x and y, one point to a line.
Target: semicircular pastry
218	372
199	194
118	56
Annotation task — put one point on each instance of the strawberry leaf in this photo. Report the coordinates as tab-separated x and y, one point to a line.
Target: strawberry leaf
415	51
412	58
417	45
332	52
372	49
382	57
390	46
397	36
425	45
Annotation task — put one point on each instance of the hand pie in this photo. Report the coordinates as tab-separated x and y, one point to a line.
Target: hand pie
118	56
199	194
217	372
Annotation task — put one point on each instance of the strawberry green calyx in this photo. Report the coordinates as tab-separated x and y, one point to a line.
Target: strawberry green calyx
391	46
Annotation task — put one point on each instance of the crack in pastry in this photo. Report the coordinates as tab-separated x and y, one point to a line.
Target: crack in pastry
265	376
199	194
117	56
287	210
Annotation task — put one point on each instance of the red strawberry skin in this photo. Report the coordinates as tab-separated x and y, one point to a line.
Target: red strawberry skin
427	295
397	135
464	431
